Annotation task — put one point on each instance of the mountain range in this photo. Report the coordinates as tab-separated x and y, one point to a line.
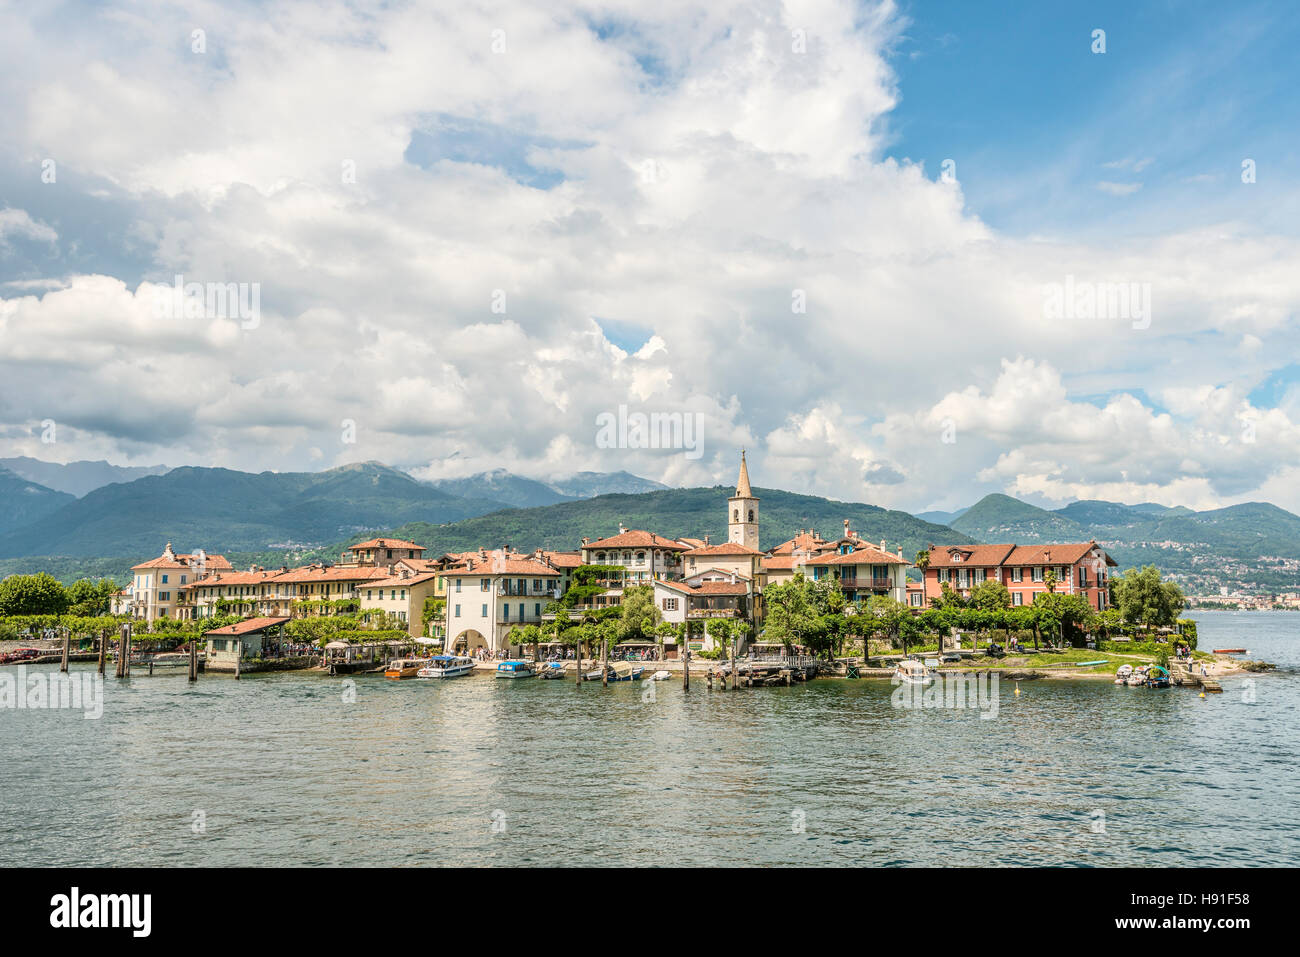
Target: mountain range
272	518
76	478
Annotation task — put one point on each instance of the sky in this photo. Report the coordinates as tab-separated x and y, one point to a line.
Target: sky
905	253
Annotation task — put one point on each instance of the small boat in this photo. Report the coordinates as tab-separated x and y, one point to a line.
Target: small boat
661	676
1122	673
1138	677
404	667
171	659
515	669
1091	664
913	672
446	666
1157	677
593	675
1230	651
625	671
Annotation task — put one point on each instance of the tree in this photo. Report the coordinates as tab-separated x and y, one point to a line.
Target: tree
1143	599
719	629
638	613
990	595
948	598
40	594
796	612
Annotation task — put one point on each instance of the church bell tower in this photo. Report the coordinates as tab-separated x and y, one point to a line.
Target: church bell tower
742	511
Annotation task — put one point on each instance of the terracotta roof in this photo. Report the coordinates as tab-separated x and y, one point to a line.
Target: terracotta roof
805	540
497	564
726	548
708	588
692	542
385	543
222	579
862	555
564	559
979	555
1060	554
636	538
246	627
335	573
397	581
213	562
720	572
779	563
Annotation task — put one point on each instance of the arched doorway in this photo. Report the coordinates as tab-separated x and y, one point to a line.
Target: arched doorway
467	641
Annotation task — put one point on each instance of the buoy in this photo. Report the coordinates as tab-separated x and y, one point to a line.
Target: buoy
1017	689
1202	694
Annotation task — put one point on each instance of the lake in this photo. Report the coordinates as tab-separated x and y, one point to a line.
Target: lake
285	769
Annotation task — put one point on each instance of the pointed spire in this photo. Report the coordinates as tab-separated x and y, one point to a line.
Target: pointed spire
742	483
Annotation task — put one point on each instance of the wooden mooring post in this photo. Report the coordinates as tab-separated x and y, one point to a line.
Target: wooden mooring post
194	659
604	663
126	652
67	648
103	649
686	667
239	655
735	677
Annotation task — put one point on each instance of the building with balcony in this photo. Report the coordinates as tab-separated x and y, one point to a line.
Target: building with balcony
156	586
491	593
710	594
1081	568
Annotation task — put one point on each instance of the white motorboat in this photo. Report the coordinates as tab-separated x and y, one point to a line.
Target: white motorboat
661	676
1122	673
1138	676
446	666
913	672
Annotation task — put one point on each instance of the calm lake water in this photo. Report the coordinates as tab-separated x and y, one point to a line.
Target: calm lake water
478	771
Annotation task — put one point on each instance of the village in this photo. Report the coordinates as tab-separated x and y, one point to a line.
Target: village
636	594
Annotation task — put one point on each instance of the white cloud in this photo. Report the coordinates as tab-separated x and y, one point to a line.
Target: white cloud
711	177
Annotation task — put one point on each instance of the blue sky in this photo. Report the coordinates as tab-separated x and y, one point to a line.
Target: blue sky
621	206
1013	93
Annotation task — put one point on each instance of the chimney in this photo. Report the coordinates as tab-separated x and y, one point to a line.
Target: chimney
884	546
167	552
586	540
622	529
706	540
846	528
900	551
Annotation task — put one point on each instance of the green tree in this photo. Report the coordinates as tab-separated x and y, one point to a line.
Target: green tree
1143	599
638	613
40	594
990	595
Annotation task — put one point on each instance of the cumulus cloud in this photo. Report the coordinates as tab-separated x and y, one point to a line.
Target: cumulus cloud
444	215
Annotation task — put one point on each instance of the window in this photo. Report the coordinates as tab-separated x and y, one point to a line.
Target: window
670	604
537	610
735	515
537	584
751	515
164	596
1083	577
521	611
505	612
981	574
164	579
943	575
1017	574
458	611
483	613
485	584
1017	598
183	579
458	589
1038	573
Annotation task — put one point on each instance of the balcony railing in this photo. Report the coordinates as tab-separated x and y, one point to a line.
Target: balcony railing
712	613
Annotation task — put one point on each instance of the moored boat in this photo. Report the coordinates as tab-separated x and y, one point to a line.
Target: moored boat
913	672
404	667
1122	673
1138	677
1157	677
515	669
625	671
661	676
446	666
